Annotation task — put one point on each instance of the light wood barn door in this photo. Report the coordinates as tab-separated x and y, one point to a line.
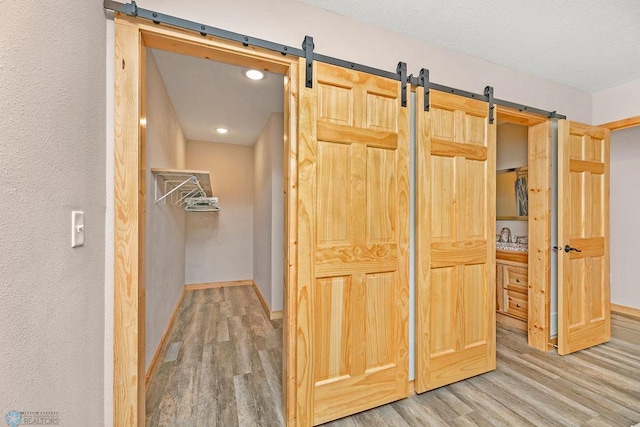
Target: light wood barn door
354	238
584	317
455	220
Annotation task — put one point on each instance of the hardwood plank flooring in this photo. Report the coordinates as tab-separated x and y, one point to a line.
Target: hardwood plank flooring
229	369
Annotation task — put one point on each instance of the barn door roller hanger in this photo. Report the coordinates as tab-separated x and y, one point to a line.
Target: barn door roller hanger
132	9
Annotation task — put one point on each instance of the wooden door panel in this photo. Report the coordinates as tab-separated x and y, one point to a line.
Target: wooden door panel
358	163
583	223
455	288
442	202
381	195
332	320
380	291
334	195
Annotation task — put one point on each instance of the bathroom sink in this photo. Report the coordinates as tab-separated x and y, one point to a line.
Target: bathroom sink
518	247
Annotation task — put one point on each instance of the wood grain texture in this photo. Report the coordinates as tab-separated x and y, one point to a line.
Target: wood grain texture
128	228
290	164
213	285
522	118
512	287
306	235
539	258
353	235
596	386
514	256
622	124
455	220
627	311
583	223
332	132
511	321
190	43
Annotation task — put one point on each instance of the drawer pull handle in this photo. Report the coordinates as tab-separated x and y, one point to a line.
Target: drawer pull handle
517	280
518	305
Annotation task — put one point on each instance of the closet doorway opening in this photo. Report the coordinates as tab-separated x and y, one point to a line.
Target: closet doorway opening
148	166
524	296
214	258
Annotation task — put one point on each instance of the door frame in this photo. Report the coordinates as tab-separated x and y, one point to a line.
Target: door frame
622	124
614	126
539	254
132	36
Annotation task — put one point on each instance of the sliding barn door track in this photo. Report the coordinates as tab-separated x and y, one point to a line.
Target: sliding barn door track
307	52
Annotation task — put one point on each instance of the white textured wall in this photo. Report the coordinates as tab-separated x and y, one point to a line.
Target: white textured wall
276	123
351	40
262	202
512	152
625	207
512	146
268	211
620	102
219	246
52	161
165	224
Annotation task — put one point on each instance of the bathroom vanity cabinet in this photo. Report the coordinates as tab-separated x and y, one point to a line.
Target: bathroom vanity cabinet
512	285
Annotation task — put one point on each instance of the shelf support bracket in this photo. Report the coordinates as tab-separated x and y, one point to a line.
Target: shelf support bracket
174	189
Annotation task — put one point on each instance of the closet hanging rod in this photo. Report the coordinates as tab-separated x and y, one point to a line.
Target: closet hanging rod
132	9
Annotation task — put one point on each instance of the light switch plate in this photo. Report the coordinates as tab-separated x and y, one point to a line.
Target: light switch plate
77	228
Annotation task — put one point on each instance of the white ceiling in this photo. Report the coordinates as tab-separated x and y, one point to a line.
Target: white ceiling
590	45
208	94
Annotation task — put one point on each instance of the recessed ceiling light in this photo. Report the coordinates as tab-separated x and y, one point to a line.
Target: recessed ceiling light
222	131
254	74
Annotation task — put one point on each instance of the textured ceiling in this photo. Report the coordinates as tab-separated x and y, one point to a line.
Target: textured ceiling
590	45
208	94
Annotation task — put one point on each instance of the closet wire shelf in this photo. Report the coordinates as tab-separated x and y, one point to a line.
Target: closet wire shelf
188	189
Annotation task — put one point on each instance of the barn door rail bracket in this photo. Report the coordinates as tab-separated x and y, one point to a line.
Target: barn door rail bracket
132	9
488	92
307	46
423	80
401	69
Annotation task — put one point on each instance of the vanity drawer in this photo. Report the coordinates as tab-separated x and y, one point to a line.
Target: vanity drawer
516	304
516	278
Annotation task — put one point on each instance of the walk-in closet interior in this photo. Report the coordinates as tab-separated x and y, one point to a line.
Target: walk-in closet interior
214	230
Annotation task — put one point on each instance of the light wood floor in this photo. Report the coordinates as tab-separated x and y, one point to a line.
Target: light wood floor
228	373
